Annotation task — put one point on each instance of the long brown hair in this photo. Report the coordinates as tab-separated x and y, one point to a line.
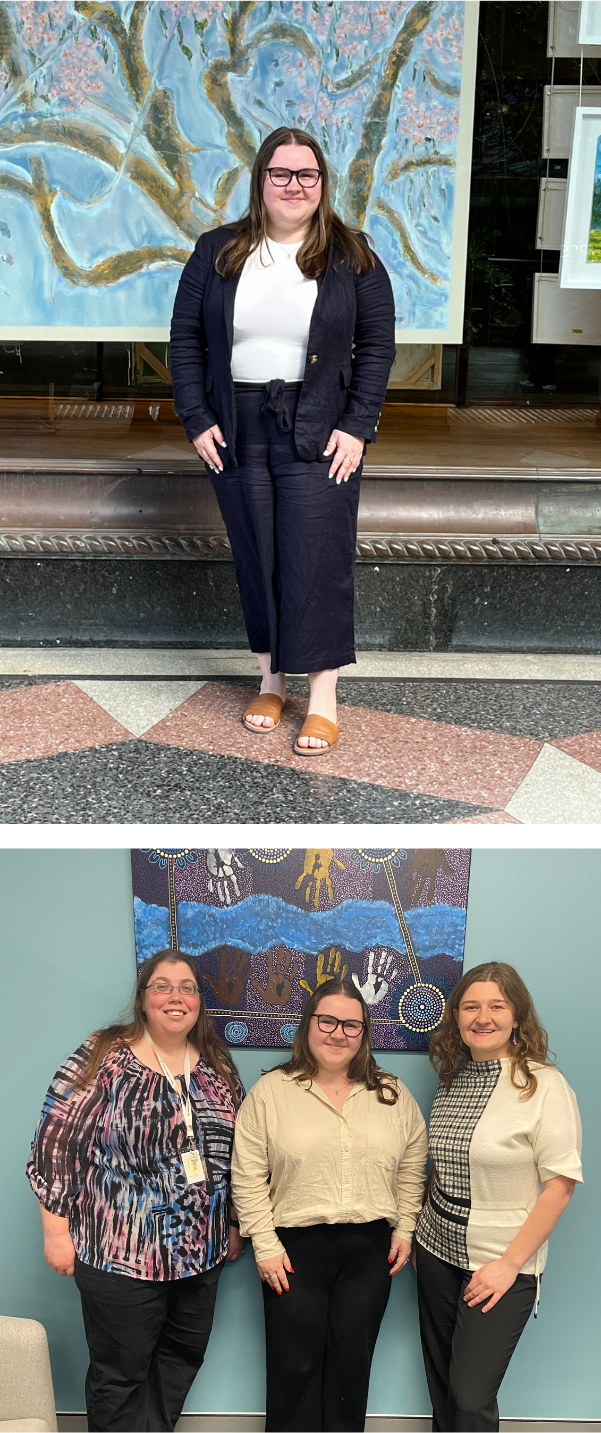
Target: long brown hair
203	1035
325	225
449	1054
362	1068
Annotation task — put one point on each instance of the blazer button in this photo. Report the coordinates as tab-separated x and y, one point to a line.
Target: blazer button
313	358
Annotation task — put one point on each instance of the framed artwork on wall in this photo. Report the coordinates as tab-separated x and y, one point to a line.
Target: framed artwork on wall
560	103
563	33
128	129
564	315
267	926
589	29
580	266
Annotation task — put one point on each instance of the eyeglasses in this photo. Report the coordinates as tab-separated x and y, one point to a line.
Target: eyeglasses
329	1023
162	987
308	178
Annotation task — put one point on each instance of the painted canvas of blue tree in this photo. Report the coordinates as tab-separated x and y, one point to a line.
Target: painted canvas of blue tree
594	243
127	129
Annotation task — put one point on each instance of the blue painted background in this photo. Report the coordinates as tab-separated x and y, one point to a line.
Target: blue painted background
320	65
68	964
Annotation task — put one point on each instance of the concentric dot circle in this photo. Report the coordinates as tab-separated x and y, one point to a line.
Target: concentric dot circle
421	1008
270	855
236	1031
287	1033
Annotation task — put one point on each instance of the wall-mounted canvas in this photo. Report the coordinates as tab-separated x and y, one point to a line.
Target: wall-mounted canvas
127	129
266	926
589	30
580	266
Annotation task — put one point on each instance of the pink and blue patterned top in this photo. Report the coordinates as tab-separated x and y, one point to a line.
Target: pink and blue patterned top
107	1157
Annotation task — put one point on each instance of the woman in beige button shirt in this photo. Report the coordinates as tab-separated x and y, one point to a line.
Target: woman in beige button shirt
327	1179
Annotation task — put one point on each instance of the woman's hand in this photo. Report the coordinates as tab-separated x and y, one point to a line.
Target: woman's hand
490	1282
400	1254
236	1245
273	1271
205	447
59	1252
348	452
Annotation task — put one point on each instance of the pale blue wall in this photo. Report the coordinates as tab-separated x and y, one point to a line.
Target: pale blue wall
68	966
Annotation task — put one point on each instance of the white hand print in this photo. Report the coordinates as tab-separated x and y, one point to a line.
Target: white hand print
382	969
220	864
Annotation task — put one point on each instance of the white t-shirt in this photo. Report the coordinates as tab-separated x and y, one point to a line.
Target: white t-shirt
272	315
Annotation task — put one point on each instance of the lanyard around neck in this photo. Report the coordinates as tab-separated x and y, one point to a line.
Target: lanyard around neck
183	1098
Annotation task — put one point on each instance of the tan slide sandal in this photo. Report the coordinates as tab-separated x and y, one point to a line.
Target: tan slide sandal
323	729
265	705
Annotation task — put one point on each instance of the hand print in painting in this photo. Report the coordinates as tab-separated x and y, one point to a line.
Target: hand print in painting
128	129
391	922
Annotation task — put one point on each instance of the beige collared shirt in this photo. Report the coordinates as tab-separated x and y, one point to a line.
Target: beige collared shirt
298	1160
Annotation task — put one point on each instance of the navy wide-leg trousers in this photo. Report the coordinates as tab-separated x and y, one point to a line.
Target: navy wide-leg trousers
292	532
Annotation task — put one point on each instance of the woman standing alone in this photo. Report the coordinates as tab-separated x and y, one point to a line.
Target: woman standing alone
281	346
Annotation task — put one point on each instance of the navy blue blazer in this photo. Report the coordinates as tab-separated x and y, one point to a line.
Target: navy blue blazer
349	354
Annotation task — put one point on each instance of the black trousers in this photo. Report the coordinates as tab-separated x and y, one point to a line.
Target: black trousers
292	532
466	1352
147	1342
321	1336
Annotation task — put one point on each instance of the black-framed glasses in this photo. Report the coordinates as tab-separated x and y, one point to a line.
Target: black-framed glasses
307	178
163	987
329	1023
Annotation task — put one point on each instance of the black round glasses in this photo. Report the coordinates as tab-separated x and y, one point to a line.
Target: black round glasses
329	1023
307	178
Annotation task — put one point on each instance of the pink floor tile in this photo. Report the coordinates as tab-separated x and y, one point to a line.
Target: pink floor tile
489	818
586	748
57	716
381	748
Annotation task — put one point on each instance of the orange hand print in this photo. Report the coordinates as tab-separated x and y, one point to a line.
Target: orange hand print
317	873
328	968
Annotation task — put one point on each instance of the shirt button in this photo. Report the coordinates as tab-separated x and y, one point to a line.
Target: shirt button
313	358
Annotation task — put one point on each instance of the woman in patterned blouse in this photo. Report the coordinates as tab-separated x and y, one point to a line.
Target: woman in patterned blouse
128	1207
505	1143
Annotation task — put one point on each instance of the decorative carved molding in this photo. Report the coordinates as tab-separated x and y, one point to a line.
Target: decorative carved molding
214	547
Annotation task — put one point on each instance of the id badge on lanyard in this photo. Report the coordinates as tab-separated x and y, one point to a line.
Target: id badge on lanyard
193	1166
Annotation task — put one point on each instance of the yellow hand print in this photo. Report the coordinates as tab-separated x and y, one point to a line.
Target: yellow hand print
332	970
317	873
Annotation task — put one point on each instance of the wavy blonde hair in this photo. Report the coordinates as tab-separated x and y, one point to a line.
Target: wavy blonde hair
325	224
363	1067
448	1053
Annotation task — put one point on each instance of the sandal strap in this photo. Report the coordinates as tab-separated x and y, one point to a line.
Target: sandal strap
265	705
321	728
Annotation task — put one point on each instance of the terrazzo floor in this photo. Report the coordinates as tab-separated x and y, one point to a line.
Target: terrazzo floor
471	749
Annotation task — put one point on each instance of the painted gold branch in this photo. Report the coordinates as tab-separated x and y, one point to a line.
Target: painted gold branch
110	271
361	169
387	212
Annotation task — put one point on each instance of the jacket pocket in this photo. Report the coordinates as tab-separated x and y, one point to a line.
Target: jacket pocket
345	376
208	381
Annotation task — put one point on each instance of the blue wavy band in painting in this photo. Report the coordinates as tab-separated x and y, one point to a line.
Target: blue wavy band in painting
261	922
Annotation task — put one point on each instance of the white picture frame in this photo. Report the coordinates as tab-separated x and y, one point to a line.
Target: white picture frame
589	29
551	213
563	32
559	105
577	270
563	315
